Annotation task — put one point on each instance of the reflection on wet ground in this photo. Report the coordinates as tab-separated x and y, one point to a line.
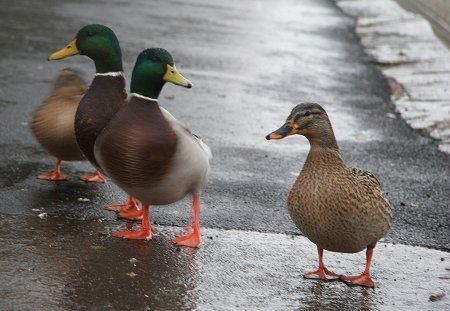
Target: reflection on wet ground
63	264
250	62
72	264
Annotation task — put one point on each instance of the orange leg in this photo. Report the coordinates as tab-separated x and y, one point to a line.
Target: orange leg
363	279
56	175
322	272
193	239
145	233
97	177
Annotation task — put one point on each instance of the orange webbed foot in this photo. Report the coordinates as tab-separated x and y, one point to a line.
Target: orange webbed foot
361	280
321	274
191	240
145	233
52	176
97	177
56	175
142	234
364	278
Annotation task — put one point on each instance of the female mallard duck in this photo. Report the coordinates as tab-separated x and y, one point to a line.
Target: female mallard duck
340	209
52	122
150	154
106	94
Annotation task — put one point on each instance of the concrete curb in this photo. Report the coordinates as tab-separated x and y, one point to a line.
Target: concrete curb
415	61
435	11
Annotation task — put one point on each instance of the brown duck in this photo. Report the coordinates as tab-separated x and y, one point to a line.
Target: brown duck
53	121
340	209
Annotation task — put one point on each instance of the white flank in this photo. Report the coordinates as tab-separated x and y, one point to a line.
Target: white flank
203	145
206	148
111	74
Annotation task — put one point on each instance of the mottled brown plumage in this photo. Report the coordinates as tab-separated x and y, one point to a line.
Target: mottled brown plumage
53	121
340	209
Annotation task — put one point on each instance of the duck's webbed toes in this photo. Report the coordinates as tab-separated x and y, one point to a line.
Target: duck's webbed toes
55	176
97	177
361	280
322	274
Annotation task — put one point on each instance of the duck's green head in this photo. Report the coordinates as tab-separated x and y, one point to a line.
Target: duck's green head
154	67
97	42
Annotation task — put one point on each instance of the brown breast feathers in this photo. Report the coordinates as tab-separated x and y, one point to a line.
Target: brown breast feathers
104	98
138	145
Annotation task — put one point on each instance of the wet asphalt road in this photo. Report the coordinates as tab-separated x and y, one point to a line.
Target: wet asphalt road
234	270
250	62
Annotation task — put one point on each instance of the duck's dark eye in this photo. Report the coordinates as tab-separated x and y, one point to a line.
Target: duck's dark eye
172	71
90	34
307	113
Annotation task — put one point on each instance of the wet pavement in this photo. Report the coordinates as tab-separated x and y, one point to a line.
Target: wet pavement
250	62
70	266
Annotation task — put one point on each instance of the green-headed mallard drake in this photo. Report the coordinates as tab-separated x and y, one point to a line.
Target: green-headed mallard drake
106	94
340	209
149	153
53	121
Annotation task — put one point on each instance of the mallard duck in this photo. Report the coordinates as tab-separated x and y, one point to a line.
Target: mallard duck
340	209
149	153
52	122
106	94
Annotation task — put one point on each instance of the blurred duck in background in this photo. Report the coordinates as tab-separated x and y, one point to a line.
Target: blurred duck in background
53	122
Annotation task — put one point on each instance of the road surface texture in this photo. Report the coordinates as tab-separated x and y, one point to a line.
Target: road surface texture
410	54
250	63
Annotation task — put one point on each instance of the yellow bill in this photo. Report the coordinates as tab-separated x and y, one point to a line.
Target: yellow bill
70	50
172	75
